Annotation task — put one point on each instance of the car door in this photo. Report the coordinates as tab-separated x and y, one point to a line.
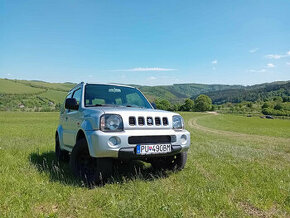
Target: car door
72	121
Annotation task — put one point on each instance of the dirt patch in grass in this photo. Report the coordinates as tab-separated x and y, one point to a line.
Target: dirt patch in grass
45	209
257	212
212	112
252	210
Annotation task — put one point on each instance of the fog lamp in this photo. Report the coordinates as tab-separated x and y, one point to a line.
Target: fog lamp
183	139
114	141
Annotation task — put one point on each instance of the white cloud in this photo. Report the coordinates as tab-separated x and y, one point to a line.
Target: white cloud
257	71
144	69
288	63
254	50
214	62
273	56
152	78
270	65
278	56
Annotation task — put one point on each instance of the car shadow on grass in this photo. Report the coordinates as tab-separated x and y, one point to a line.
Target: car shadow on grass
123	171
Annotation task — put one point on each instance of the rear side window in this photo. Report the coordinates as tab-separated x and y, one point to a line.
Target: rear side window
77	95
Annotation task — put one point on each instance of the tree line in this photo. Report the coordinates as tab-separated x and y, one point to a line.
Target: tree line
200	104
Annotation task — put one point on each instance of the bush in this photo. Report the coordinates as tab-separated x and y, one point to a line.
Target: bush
249	104
203	103
163	104
270	111
278	99
286	99
188	105
278	107
266	105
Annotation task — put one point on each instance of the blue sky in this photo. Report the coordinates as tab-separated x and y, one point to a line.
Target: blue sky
145	42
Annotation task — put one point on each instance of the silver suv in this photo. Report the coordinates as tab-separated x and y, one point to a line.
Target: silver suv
102	122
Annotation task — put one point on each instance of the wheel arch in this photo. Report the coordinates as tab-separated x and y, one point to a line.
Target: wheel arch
80	135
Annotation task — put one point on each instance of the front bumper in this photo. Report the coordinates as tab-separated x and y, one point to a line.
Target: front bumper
99	146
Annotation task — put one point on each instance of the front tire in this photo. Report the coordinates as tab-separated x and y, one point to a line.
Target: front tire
92	171
61	155
175	162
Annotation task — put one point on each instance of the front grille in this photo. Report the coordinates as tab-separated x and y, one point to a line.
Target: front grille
165	121
141	121
132	121
149	139
149	121
157	121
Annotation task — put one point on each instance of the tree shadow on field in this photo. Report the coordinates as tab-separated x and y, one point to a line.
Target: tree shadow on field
123	171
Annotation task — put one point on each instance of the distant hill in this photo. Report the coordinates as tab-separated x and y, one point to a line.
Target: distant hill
32	95
178	92
250	93
44	96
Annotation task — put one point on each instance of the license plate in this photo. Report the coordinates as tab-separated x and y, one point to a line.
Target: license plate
153	149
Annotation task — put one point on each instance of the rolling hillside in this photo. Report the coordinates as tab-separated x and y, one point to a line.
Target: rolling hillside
13	87
43	96
178	92
32	95
250	93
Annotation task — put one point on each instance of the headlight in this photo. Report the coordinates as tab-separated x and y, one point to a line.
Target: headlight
178	122
111	123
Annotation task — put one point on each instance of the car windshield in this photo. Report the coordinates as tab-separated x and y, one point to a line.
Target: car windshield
110	95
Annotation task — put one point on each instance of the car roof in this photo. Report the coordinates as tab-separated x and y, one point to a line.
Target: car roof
106	84
110	84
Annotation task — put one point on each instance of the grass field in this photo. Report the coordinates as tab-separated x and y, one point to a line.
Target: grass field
250	125
237	166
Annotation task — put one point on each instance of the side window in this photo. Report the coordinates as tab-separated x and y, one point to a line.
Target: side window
68	96
77	95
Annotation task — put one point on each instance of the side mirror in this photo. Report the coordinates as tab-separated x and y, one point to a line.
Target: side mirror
153	105
71	104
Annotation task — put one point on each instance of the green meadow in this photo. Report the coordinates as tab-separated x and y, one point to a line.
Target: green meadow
237	166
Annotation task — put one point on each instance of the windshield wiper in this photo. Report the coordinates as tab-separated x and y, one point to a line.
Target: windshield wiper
113	105
128	105
100	105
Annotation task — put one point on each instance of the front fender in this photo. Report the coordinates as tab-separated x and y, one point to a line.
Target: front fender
87	125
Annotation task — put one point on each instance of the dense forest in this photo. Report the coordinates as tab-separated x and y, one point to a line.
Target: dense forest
261	92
